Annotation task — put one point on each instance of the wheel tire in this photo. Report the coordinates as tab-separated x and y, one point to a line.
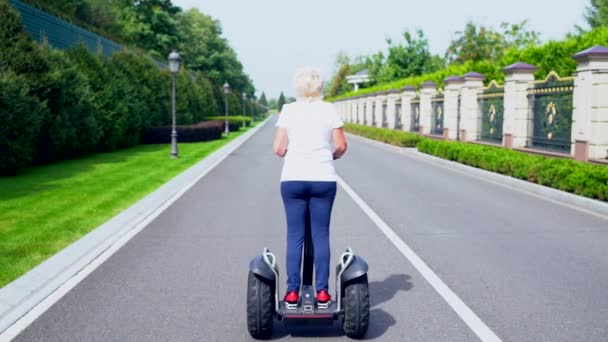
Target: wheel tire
260	306
356	308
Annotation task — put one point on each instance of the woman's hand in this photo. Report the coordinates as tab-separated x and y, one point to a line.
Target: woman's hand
339	142
279	146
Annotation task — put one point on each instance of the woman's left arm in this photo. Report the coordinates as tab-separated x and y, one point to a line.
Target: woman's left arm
279	146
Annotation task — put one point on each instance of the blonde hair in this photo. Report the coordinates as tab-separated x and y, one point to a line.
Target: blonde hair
308	83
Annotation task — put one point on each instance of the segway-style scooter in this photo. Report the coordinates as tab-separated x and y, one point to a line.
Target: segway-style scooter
351	302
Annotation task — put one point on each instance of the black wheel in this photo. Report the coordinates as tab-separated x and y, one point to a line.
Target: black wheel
356	307
260	306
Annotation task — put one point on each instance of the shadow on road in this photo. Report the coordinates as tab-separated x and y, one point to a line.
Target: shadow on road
383	291
380	320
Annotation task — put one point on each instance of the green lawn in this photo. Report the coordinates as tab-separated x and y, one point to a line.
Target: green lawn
47	208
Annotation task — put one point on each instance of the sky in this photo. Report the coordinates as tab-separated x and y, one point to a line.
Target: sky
274	38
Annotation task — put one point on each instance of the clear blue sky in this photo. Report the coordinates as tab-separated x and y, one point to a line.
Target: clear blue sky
273	38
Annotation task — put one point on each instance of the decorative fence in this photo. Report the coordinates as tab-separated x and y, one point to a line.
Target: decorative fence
491	102
551	101
415	121
384	116
62	35
437	113
564	115
374	113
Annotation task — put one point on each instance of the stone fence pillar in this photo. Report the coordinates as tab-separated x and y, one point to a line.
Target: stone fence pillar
517	122
590	105
451	106
470	112
391	114
369	109
378	101
408	93
360	109
427	90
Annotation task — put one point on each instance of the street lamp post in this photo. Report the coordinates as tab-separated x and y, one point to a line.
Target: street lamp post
253	109
244	108
226	91
174	61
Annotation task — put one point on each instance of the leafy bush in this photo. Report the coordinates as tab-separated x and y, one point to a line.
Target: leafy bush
23	70
564	174
234	122
398	138
202	131
20	119
69	127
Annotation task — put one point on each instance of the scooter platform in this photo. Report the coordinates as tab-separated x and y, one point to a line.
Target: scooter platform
302	312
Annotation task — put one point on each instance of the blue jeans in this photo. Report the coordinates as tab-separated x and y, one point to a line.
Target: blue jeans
298	197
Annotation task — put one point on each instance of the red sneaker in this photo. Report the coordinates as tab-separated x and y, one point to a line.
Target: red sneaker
291	297
323	296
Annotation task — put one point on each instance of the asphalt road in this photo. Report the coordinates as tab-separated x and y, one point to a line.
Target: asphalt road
532	270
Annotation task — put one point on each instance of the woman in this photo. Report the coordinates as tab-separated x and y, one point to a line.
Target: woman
309	136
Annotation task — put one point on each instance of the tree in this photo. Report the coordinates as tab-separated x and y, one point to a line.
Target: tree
475	44
597	13
281	102
263	101
409	59
484	43
149	24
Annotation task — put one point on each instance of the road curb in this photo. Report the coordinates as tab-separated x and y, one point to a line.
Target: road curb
595	207
25	293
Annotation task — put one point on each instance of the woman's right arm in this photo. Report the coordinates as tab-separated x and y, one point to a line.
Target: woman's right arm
339	142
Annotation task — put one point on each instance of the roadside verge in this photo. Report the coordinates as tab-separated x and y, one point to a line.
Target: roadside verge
591	206
25	293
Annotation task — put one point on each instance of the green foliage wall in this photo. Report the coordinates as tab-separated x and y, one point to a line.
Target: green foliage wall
56	105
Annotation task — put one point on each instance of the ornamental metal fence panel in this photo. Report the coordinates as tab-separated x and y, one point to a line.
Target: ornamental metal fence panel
374	113
415	118
551	102
398	119
437	116
60	34
491	102
384	116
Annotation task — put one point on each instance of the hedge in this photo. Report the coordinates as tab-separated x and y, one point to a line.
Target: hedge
234	122
202	131
60	104
398	138
564	174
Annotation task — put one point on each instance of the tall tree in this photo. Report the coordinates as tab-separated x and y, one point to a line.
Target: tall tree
479	43
263	101
281	102
149	24
597	13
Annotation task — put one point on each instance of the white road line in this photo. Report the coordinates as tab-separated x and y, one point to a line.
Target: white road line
461	309
20	325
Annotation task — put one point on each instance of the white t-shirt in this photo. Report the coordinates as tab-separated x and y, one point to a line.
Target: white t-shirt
309	131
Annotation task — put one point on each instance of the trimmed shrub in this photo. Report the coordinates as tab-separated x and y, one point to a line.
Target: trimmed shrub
564	174
202	131
234	122
23	71
20	119
69	127
393	137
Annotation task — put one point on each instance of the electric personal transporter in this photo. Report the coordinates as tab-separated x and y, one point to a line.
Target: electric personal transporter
351	302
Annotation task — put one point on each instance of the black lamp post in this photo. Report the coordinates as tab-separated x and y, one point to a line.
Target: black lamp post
226	91
174	61
244	108
253	107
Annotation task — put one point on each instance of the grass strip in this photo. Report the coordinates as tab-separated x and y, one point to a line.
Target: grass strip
568	175
46	208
